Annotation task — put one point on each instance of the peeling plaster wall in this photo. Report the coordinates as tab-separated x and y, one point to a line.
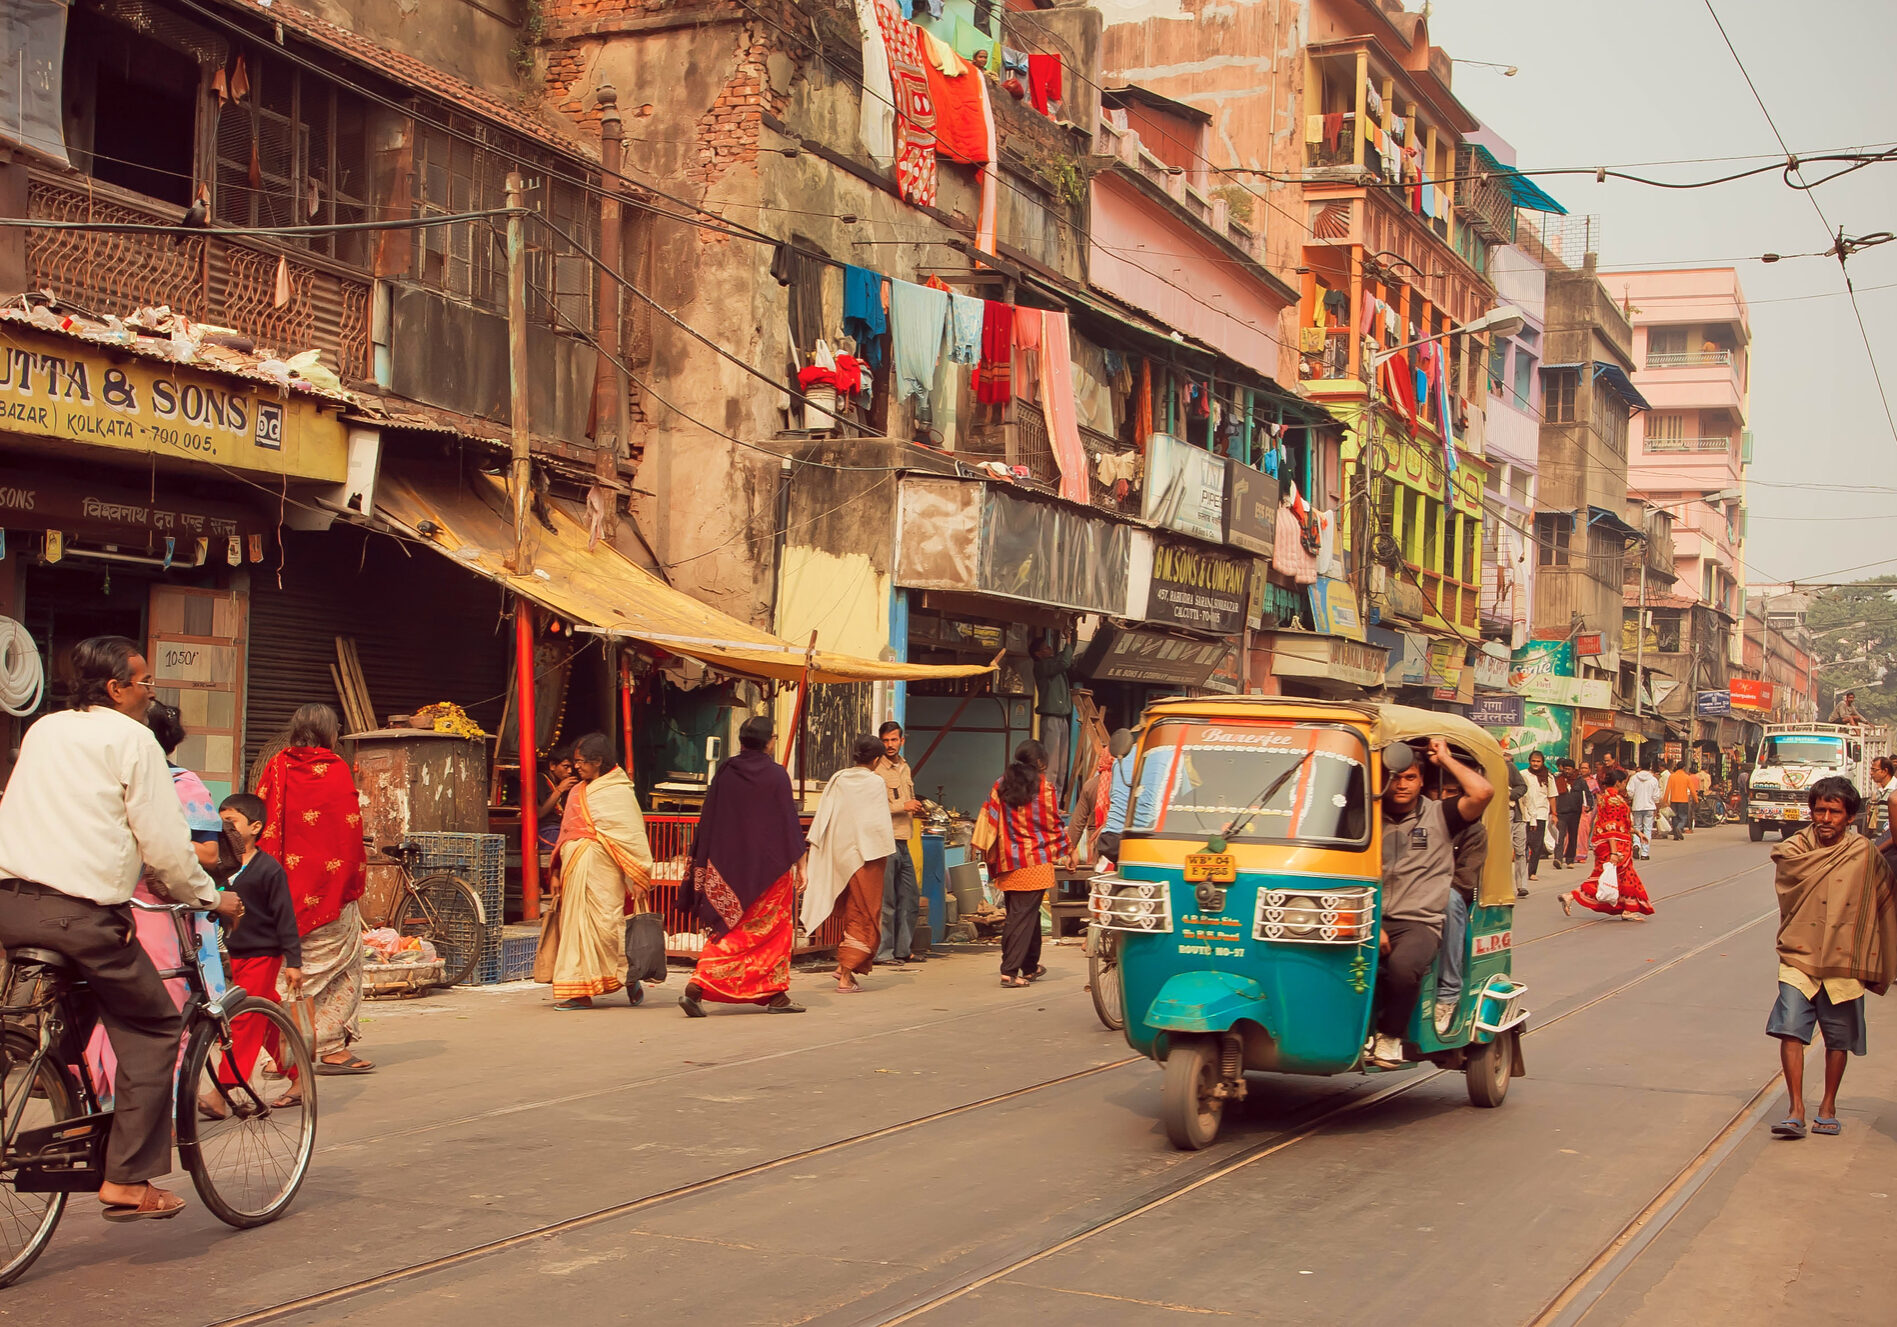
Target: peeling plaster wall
472	41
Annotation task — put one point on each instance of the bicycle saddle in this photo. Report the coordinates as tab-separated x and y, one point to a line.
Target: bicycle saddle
45	958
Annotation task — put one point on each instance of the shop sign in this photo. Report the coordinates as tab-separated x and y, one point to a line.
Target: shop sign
1120	654
1297	654
1334	609
131	406
1198	589
1491	670
1258	594
1225	680
1673	752
1594	693
1588	646
1251	509
1497	711
1750	693
954	534
1401	596
74	506
1596	721
1444	667
1543	670
1714	702
1548	729
1408	664
974	635
1185	488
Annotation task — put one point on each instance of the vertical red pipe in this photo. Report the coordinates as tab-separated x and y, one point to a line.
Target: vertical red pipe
527	730
625	709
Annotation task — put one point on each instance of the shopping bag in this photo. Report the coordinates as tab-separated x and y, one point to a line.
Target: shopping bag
1607	888
645	948
302	1011
1549	838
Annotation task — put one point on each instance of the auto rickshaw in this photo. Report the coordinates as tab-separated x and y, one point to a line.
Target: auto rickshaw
1244	912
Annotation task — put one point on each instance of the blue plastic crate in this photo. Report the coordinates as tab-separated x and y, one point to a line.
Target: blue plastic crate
519	943
481	860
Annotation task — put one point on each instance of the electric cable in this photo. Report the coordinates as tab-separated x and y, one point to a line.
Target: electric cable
22	676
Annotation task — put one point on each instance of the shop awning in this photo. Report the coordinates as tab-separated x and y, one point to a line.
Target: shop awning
1611	376
604	592
1524	191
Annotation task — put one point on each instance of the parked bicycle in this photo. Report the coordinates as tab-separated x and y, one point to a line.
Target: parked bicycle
440	908
247	1165
1103	977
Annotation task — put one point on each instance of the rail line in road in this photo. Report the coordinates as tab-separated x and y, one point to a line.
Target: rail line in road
1215	1168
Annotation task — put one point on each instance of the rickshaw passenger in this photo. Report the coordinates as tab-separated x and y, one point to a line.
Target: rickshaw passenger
1419	869
1470	847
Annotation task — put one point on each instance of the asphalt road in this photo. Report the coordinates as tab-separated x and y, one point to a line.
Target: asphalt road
944	1151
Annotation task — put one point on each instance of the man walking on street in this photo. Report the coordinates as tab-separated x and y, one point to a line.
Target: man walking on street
1679	798
901	898
1537	807
1643	797
1837	939
1570	802
89	808
1054	702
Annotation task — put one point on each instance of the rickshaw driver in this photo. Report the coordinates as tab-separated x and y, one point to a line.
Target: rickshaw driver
1419	868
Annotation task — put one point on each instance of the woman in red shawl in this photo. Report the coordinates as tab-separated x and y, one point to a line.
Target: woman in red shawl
1613	842
743	883
1029	842
313	827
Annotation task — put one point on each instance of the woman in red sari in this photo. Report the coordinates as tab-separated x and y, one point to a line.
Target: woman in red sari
1613	842
313	826
1029	840
743	882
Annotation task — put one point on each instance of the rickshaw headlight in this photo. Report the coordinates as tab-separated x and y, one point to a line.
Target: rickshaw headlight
1301	914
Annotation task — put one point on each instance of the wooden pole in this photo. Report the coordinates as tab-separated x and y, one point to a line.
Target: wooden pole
522	476
526	732
609	389
797	714
625	707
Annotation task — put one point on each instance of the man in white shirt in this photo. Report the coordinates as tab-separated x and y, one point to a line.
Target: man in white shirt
90	807
1643	796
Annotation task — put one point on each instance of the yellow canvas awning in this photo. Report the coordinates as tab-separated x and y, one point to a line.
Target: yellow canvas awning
601	590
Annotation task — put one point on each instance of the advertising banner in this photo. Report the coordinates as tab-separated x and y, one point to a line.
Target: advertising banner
1185	488
1751	694
1548	729
1497	711
1334	609
1198	589
1251	509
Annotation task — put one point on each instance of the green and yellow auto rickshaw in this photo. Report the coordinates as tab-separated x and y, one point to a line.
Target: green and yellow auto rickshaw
1242	921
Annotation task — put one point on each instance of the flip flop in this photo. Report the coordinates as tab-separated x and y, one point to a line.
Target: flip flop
1826	1124
1788	1128
352	1065
157	1205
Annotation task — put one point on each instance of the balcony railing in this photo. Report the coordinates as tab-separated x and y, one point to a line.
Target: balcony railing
1688	359
1711	444
208	279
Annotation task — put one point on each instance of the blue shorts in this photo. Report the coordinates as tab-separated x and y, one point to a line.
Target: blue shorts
1794	1016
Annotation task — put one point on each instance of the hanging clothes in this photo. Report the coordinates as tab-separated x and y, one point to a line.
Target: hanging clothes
1143	407
995	377
1044	83
918	317
990	175
1027	358
1397	380
961	113
876	121
1333	125
863	314
915	112
1057	405
965	324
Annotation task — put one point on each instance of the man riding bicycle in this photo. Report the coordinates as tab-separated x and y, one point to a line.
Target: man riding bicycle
89	808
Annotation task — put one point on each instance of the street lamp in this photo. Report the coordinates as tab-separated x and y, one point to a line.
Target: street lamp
1503	320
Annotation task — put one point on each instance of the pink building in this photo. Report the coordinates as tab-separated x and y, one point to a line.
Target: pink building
1692	357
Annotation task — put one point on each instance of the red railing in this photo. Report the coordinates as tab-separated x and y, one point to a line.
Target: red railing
670	837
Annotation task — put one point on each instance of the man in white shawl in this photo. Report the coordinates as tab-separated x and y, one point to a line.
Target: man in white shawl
850	838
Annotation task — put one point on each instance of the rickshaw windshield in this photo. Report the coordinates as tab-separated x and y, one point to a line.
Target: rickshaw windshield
1195	778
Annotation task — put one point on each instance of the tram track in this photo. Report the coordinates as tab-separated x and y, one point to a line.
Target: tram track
1197	1177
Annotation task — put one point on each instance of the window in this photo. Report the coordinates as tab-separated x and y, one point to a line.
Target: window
1706	581
1666	433
131	107
1432	534
1553	530
1613	417
1665	342
1525	362
1470	525
1559	388
1197	780
1666	630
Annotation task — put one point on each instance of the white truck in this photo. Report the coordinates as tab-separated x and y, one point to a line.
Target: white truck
1793	756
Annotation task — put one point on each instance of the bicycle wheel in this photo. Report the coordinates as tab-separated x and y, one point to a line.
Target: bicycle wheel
247	1167
445	911
1103	982
27	1220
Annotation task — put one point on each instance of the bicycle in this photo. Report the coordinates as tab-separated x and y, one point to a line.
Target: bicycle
247	1165
1103	977
442	909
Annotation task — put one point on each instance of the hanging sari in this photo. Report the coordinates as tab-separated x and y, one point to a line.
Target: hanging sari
1614	842
601	861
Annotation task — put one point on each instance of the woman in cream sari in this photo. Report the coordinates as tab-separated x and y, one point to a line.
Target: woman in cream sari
601	860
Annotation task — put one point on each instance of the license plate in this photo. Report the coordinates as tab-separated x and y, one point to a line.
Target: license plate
1219	868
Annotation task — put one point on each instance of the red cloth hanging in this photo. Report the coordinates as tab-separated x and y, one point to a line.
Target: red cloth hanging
994	375
1044	82
961	120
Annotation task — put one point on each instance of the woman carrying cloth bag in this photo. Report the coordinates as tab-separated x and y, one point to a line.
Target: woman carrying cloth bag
601	861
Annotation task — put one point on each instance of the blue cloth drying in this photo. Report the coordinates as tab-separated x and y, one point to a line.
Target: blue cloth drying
919	315
863	315
965	318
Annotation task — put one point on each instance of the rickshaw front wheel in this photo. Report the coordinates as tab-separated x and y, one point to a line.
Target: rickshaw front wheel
1487	1070
1189	1102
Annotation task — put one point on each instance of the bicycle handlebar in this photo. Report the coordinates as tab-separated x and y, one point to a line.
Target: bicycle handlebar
143	906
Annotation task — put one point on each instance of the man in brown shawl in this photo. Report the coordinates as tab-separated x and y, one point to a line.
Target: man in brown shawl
1837	939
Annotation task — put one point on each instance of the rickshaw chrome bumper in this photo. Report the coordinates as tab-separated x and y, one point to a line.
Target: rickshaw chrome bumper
1206	1002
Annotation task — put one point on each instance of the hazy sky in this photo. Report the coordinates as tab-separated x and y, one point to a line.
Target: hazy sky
1622	81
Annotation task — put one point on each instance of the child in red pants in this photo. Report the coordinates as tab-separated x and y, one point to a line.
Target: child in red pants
262	947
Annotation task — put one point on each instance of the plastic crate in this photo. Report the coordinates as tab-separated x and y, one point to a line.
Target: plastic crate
519	943
481	860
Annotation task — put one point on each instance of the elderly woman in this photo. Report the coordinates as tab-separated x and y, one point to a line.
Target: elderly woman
851	836
601	861
1028	843
313	826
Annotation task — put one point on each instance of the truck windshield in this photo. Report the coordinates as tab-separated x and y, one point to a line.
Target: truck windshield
1794	749
1195	778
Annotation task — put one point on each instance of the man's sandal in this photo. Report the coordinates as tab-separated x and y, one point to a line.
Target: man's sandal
157	1205
1826	1124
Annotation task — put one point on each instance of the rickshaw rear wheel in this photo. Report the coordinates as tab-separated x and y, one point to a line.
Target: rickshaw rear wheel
1487	1071
1188	1102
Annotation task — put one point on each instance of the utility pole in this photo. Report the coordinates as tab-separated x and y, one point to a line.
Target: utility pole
1640	633
517	372
609	388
